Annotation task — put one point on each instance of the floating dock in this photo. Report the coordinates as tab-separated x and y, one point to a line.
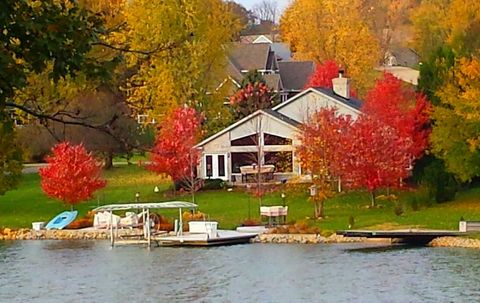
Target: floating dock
223	237
410	236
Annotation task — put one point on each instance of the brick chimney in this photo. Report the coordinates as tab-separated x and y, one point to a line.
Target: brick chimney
341	85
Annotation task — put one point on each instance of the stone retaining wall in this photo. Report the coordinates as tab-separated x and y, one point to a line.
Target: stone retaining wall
455	242
304	239
28	234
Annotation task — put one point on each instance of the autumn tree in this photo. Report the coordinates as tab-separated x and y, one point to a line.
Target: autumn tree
173	153
452	23
397	105
328	29
320	152
186	55
374	156
456	120
394	117
72	174
252	97
34	36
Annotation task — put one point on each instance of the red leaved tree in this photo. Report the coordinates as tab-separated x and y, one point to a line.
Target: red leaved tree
373	155
323	75
399	106
321	152
72	174
174	153
252	97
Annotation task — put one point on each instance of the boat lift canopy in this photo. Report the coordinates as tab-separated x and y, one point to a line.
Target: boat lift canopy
152	205
146	208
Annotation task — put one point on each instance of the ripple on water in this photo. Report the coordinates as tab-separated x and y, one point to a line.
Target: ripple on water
50	271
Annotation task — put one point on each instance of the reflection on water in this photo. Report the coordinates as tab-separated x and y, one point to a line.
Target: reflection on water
90	271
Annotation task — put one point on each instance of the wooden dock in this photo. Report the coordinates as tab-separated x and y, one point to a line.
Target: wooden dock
224	237
410	236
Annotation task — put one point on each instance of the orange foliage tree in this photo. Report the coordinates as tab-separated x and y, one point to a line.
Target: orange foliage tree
321	152
174	153
72	174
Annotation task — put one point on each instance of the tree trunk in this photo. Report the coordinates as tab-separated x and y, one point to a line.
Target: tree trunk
319	209
372	198
108	161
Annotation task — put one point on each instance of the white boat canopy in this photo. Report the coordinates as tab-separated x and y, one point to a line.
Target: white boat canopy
152	205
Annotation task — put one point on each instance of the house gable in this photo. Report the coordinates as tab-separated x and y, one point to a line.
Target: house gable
303	105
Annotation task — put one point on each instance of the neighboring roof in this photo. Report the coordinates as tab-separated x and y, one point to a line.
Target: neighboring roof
404	56
295	74
278	116
249	56
273	81
253	38
233	71
281	50
403	73
353	103
262	39
154	205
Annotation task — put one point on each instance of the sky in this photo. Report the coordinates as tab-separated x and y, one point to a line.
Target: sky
282	4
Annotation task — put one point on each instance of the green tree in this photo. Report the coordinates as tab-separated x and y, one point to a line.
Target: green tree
455	136
33	36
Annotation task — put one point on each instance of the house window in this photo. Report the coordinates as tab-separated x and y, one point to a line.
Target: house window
242	159
276	140
221	165
245	141
209	166
283	161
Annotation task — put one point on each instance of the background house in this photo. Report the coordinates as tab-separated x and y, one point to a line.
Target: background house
270	136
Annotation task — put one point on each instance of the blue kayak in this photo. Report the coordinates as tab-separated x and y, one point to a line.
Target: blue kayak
62	220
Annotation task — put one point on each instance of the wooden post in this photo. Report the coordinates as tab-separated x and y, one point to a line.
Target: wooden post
180	225
148	227
112	241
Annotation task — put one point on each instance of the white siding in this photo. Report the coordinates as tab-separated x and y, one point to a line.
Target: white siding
303	107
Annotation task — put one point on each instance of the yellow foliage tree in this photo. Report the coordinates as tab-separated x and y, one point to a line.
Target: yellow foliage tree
452	22
455	137
192	35
332	29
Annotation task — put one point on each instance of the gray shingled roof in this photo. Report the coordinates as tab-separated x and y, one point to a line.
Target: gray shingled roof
352	102
249	56
273	81
295	74
282	117
282	51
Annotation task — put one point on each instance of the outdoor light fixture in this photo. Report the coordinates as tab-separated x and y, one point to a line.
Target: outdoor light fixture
156	189
137	196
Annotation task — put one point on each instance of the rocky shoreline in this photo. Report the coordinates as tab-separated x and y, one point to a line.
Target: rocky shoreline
93	234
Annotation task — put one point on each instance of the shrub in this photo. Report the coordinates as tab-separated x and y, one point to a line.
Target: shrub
299	227
432	173
251	222
399	209
210	184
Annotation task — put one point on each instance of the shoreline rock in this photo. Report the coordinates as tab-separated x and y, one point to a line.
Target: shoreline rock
461	242
93	234
304	239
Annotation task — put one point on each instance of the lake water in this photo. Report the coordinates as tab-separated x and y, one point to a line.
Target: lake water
90	271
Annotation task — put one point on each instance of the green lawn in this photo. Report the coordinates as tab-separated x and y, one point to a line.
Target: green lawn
26	204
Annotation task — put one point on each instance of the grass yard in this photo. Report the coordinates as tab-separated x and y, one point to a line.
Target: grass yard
26	204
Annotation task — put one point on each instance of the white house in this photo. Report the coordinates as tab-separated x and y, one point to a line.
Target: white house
270	137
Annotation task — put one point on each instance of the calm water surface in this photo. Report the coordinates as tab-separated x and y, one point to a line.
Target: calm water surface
90	271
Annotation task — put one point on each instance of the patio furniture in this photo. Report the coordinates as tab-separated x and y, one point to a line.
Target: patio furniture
249	172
